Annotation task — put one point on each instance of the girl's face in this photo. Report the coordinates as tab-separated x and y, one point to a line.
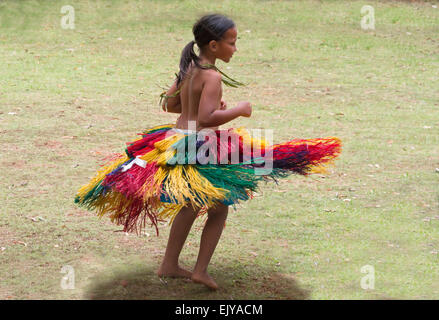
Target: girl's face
227	45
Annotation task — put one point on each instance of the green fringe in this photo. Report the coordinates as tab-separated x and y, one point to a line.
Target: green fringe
90	197
237	178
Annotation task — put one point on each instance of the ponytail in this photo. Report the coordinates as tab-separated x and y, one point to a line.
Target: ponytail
187	56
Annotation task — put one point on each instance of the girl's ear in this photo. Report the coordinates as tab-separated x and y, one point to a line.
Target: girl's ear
213	45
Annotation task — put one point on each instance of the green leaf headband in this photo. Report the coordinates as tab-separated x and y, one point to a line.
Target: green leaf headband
226	80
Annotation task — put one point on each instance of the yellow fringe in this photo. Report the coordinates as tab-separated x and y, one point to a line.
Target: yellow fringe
319	169
100	175
112	203
169	211
249	140
201	191
323	168
162	152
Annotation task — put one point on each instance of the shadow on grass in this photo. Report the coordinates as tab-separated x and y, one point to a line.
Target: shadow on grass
241	282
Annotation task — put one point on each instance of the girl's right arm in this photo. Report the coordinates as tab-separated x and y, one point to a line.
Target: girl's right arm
172	104
208	113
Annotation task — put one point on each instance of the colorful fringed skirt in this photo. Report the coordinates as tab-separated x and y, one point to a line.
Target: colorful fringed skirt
167	168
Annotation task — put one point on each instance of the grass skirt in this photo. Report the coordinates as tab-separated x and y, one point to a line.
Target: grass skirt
168	168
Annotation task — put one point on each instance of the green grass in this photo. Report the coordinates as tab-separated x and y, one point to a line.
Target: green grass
79	95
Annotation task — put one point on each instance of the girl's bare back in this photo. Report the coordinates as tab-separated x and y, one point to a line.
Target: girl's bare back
190	94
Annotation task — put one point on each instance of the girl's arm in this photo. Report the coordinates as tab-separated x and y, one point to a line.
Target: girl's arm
208	113
174	103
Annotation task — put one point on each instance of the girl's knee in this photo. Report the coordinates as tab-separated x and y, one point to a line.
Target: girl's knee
193	211
219	210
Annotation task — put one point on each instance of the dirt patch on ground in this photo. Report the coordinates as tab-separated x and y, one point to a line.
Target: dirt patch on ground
50	144
7	238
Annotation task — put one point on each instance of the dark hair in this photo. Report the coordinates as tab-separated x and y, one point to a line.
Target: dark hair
207	28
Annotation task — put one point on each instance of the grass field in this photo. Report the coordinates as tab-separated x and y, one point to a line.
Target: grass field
68	98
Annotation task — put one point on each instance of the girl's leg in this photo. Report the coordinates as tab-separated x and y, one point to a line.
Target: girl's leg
209	239
179	231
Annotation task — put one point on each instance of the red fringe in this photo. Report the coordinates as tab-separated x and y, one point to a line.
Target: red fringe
144	145
135	211
130	181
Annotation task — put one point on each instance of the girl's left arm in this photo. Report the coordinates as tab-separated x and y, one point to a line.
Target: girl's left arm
173	103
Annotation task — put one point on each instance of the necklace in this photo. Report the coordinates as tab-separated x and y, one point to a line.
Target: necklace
228	81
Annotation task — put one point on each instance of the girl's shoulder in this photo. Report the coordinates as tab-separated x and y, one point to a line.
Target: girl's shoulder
210	74
200	77
211	78
193	70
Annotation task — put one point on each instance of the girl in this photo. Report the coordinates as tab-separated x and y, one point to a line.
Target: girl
163	175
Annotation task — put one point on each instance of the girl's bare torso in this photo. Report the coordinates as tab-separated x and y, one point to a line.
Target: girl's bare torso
190	94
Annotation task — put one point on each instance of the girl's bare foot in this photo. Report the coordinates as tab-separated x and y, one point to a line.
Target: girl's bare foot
205	279
174	272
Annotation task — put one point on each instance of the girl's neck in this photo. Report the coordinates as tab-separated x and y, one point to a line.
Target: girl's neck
207	59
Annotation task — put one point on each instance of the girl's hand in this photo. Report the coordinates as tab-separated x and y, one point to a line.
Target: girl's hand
245	108
223	105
